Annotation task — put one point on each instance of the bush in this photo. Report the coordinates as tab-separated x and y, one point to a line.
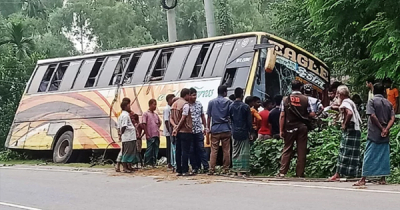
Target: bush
323	147
7	155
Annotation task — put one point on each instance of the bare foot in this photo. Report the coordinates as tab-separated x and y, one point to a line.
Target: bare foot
382	182
334	178
359	183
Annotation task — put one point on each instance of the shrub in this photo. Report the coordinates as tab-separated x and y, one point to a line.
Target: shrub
7	155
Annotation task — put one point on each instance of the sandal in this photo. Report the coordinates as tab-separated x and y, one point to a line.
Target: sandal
117	170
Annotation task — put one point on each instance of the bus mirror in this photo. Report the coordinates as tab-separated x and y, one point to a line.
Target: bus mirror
270	60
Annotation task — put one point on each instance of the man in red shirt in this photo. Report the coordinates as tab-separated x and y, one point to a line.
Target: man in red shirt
264	132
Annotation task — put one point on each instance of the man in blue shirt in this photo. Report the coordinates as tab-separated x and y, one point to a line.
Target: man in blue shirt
218	124
241	120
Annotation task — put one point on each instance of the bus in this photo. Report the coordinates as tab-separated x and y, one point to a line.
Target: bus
71	104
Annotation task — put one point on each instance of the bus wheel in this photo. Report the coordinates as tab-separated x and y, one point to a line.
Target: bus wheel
62	151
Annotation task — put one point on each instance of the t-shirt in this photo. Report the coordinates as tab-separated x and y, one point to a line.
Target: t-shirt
196	109
166	114
152	122
383	110
392	96
370	95
240	116
350	105
124	120
256	118
265	127
273	119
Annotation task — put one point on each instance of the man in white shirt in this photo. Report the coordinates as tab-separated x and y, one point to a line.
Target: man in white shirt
128	137
167	132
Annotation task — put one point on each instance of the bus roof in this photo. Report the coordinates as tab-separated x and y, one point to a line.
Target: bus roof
166	45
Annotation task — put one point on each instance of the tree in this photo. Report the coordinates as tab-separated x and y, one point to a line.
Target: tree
15	36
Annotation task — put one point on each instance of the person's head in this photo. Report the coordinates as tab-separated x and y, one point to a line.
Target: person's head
296	85
308	89
127	99
232	97
387	83
343	92
135	118
238	93
152	104
278	100
268	104
257	102
223	91
193	95
170	98
332	90
185	94
126	105
356	99
379	89
370	82
249	101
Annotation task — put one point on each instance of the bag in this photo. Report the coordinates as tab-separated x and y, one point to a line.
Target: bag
310	125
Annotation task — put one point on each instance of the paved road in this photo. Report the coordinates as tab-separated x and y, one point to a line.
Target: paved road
58	189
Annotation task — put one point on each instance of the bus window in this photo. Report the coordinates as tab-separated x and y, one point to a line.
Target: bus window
119	70
58	76
94	72
47	77
200	61
131	67
226	50
196	61
228	77
70	75
161	65
143	65
176	62
212	59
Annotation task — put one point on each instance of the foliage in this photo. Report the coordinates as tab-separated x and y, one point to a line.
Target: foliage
7	155
265	156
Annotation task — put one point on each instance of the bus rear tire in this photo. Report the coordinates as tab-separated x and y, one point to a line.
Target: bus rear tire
62	152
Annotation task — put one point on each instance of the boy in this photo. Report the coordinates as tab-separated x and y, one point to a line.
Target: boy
139	135
118	166
128	137
167	128
152	125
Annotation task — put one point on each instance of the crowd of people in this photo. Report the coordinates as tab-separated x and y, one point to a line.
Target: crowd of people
234	124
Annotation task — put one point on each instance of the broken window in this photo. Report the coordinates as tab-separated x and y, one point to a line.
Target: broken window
161	65
58	76
200	60
228	77
47	77
131	68
119	70
94	73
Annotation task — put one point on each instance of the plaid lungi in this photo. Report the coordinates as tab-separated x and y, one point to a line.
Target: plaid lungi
241	155
348	163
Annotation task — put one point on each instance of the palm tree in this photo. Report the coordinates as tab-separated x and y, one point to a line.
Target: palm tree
15	36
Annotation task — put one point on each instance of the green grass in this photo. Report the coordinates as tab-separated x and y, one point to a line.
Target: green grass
43	162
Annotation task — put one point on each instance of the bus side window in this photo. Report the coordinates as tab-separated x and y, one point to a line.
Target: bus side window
131	68
119	70
46	78
161	65
228	77
58	76
196	61
94	73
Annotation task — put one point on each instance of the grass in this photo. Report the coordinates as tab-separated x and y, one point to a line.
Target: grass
45	163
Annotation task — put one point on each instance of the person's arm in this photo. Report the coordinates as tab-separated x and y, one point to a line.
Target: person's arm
144	119
185	113
249	122
167	120
257	115
209	116
397	100
282	124
159	122
310	109
348	114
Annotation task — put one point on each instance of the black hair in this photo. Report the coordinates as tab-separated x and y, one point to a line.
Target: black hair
232	97
356	99
387	80
222	89
248	100
127	99
278	99
267	102
334	86
185	92
371	80
169	97
192	90
152	101
296	85
256	98
124	103
238	93
379	89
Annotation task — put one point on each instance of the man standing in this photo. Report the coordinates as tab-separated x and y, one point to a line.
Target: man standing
181	120
152	125
273	117
295	111
198	155
218	121
167	127
264	132
377	152
370	85
392	94
240	116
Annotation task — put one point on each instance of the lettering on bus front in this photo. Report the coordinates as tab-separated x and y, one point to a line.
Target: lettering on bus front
302	60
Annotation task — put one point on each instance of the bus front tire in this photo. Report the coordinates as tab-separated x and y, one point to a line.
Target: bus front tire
62	152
